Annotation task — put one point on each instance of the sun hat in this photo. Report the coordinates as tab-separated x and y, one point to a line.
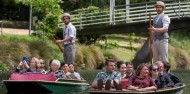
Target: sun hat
66	15
160	3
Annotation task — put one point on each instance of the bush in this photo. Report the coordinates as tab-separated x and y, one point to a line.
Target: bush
91	56
2	66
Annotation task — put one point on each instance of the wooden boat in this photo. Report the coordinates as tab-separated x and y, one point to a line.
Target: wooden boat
173	90
43	83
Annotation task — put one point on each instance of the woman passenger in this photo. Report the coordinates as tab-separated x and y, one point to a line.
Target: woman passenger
154	71
54	68
142	81
33	66
121	66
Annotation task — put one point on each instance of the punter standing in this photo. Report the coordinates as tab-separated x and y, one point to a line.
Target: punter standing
160	33
69	37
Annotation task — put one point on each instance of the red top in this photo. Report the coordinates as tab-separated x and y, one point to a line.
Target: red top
141	82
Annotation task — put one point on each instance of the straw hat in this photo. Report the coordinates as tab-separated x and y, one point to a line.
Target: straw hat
66	15
160	3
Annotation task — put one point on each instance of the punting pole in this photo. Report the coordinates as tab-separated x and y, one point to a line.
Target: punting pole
150	41
54	40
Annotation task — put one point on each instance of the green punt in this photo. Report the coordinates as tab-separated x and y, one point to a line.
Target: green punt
40	86
174	90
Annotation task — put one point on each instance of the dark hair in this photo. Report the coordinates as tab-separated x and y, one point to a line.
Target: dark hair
119	63
62	64
50	62
129	63
73	66
109	60
166	66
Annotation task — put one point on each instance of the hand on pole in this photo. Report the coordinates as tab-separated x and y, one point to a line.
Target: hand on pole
152	29
59	41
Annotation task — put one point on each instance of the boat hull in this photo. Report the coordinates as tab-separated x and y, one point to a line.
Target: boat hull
174	90
44	86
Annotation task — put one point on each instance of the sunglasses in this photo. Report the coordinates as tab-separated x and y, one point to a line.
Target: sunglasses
155	69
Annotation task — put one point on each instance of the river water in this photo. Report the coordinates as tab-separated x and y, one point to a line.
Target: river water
183	75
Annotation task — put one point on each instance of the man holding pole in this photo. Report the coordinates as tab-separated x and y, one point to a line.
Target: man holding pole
160	33
69	37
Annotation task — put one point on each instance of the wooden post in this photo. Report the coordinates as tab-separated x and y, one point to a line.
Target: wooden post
150	39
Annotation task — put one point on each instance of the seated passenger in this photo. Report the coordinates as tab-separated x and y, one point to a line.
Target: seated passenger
154	71
73	73
108	78
54	68
175	79
126	70
42	65
65	68
142	81
121	66
23	66
129	70
163	79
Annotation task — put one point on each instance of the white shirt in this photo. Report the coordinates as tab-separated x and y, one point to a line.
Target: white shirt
69	31
165	21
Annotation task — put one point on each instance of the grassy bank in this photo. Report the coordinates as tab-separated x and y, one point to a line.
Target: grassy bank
179	52
119	47
13	48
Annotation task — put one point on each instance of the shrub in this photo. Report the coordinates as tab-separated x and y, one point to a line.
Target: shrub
2	66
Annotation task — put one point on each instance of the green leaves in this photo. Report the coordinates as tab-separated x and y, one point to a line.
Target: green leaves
43	6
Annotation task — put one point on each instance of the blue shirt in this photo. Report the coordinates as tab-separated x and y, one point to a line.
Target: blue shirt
105	76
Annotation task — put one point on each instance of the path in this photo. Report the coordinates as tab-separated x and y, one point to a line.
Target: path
13	31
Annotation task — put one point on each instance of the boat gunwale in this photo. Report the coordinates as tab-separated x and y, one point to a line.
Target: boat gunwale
71	80
125	91
43	81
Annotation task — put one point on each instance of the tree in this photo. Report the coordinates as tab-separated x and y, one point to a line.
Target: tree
43	6
47	11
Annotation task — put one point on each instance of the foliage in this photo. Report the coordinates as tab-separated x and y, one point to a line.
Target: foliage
131	41
91	56
179	52
92	15
50	9
49	25
13	48
90	39
184	42
43	6
3	66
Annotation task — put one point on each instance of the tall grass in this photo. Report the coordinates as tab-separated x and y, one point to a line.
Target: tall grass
181	39
91	56
13	48
179	53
